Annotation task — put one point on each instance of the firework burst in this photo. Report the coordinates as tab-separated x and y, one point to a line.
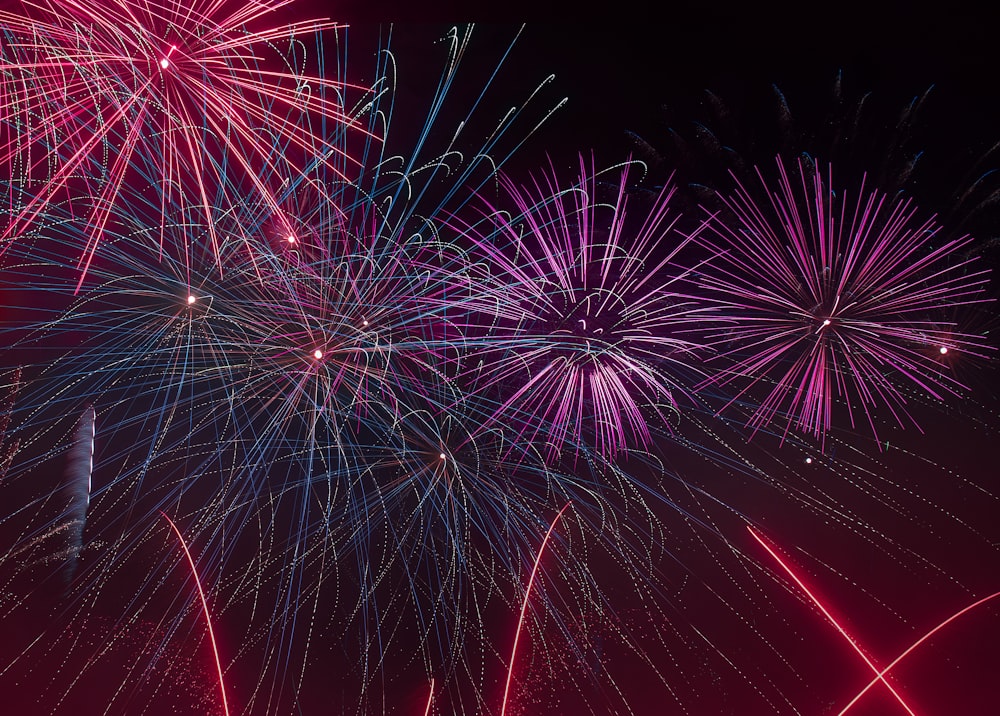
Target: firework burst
589	313
268	365
98	95
831	301
422	459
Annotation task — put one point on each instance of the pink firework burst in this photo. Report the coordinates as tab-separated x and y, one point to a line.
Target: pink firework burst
832	304
589	347
174	96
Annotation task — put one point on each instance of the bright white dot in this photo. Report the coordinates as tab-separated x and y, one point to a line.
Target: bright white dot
191	299
443	456
317	354
943	350
364	323
826	321
164	63
809	461
290	239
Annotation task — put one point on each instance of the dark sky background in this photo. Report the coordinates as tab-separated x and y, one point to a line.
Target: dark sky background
896	541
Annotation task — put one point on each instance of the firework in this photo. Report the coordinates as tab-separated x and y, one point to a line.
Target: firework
410	444
99	96
589	314
833	304
244	380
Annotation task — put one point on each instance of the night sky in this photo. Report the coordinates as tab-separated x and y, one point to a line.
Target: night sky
668	605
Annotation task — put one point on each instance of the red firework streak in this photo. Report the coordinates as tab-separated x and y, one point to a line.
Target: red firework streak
524	606
880	674
204	607
914	645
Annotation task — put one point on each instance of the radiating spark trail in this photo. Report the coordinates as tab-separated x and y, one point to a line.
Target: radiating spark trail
832	303
918	642
879	675
430	700
592	306
204	606
216	97
524	606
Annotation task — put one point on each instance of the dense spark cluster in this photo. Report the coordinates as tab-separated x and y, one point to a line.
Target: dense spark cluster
390	401
178	98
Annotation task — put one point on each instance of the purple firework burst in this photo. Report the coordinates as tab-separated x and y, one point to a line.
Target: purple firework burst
833	304
590	344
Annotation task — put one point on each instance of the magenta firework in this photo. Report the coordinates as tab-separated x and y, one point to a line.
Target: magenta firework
179	97
834	304
589	312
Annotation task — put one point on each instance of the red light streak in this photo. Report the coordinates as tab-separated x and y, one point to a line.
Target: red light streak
879	674
204	606
430	700
913	646
524	607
